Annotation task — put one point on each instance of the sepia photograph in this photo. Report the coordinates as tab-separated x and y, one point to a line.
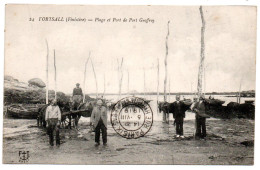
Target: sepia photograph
129	85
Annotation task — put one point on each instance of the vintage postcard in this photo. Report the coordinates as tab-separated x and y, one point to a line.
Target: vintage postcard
86	84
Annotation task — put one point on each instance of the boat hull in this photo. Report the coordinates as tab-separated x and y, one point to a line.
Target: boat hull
19	114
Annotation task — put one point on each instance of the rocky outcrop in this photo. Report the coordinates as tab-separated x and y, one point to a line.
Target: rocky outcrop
36	82
30	93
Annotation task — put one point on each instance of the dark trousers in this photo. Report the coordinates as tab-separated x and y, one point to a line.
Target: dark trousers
201	127
52	125
103	129
179	126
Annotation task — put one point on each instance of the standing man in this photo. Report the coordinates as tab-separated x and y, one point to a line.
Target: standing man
199	108
99	121
53	118
179	115
77	96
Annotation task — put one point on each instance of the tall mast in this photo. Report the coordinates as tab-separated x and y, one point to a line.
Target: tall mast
120	76
239	93
95	78
144	85
47	71
169	97
55	76
202	56
204	75
128	93
165	63
84	82
158	69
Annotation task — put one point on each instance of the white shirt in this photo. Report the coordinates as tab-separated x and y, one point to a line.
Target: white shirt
53	112
192	106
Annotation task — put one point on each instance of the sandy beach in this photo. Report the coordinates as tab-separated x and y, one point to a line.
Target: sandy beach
159	146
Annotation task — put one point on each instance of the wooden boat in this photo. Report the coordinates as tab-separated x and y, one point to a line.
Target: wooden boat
146	100
20	112
187	101
249	101
215	102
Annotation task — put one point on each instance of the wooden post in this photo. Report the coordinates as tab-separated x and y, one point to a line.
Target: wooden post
204	71
202	56
120	76
169	96
95	78
128	92
239	94
144	85
55	75
165	63
47	72
158	69
84	82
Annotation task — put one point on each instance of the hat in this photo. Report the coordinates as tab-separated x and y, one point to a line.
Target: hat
77	84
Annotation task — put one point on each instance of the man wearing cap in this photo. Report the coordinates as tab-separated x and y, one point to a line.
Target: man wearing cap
199	108
178	115
99	121
77	96
53	118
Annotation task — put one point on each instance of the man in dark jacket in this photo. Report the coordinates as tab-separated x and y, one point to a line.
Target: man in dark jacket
179	115
77	96
199	108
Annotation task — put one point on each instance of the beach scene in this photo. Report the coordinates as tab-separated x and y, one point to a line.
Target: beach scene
196	61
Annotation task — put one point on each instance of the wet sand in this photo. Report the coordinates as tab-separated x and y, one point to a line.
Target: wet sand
222	146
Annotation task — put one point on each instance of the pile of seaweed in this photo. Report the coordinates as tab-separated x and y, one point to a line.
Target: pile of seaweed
32	92
32	96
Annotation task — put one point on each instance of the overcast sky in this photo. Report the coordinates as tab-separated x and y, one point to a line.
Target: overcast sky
230	46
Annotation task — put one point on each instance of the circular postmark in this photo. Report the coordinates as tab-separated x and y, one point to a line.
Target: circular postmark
131	117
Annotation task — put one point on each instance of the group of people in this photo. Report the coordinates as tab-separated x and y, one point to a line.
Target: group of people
99	117
198	107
